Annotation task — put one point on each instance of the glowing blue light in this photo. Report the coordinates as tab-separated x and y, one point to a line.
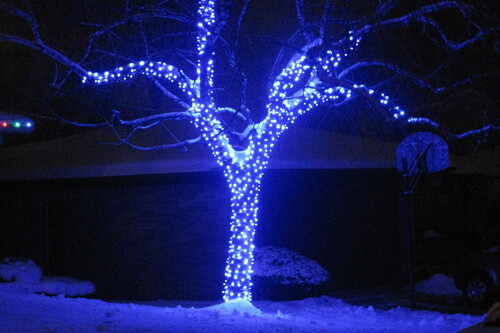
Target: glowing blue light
244	168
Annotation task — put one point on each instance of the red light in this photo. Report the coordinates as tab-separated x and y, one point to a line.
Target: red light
4	124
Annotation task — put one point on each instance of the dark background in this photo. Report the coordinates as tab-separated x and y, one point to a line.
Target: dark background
165	236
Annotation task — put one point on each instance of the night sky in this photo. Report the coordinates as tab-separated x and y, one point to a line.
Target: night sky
30	82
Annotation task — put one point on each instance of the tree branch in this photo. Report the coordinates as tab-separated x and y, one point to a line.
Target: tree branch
29	18
166	14
126	141
154	70
288	46
181	144
327	9
46	50
419	15
383	9
152	119
241	16
410	76
170	95
485	130
302	17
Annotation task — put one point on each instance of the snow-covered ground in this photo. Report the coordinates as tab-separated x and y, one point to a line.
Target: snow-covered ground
21	312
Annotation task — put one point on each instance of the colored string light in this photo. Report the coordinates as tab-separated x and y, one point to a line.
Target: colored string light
16	125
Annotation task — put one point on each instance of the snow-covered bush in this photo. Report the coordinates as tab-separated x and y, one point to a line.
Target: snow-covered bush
287	267
26	277
19	270
57	285
438	284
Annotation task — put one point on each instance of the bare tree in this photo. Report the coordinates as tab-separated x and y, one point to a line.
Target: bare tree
210	63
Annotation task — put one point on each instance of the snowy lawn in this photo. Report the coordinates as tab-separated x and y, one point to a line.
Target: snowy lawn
21	312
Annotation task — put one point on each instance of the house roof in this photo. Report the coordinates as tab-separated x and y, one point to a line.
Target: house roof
82	156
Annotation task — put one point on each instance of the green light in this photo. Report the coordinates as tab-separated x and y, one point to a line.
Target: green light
17	124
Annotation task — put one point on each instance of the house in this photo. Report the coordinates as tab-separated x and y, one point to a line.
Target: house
149	225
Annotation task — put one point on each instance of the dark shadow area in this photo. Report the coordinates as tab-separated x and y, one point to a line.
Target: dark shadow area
165	236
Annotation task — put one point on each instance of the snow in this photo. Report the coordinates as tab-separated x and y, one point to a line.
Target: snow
236	306
27	278
39	313
23	309
19	270
54	285
287	267
438	284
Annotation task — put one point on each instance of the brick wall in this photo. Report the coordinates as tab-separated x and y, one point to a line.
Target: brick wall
166	236
139	238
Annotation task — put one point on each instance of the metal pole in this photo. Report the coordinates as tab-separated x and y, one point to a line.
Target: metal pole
407	232
409	243
47	240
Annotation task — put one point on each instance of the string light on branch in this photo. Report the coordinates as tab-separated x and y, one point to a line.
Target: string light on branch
152	69
297	90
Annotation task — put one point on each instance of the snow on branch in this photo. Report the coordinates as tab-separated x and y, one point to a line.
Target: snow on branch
310	79
46	50
37	44
155	70
172	96
152	119
29	18
137	125
141	123
126	140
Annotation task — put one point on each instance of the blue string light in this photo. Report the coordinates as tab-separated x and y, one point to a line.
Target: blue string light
296	90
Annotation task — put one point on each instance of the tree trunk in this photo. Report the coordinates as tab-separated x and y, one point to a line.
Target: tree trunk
244	184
